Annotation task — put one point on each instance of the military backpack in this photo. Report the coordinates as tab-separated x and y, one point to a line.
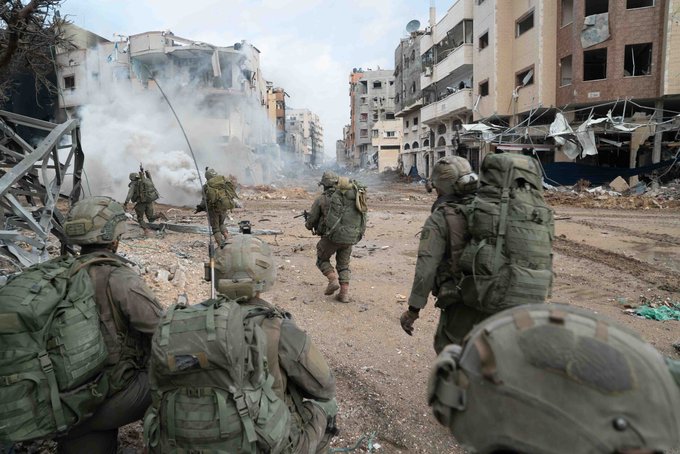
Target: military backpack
345	218
220	194
147	190
211	387
508	260
52	352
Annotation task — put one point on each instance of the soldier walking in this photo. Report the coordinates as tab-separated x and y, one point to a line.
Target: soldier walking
218	199
338	215
142	192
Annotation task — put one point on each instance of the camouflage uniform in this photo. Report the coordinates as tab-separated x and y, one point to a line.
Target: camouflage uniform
134	195
129	313
216	217
436	271
325	248
303	379
442	241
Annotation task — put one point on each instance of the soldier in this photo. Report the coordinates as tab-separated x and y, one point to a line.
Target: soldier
555	379
129	313
142	192
293	369
442	240
218	199
348	226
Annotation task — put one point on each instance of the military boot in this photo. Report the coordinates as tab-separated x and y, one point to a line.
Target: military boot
343	295
333	283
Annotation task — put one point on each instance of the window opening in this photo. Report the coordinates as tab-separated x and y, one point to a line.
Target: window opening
565	71
524	24
596	7
484	88
632	4
525	77
567	12
484	41
638	60
69	82
595	64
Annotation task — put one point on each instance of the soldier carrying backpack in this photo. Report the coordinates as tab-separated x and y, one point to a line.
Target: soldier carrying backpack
75	335
482	250
218	199
142	192
556	379
338	215
235	374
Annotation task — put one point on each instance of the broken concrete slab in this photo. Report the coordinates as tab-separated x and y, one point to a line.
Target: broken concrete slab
619	184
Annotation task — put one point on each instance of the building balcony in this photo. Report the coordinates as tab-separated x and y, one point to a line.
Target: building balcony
459	60
447	108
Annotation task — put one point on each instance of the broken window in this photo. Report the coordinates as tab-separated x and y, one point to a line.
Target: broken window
389	116
377	84
596	7
638	60
415	121
524	78
441	129
363	133
565	71
375	133
525	24
415	145
391	82
69	82
363	117
484	88
407	124
595	64
391	133
427	59
363	100
413	87
441	142
567	12
632	4
484	41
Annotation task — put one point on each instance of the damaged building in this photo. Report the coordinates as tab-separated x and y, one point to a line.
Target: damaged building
372	116
590	87
304	136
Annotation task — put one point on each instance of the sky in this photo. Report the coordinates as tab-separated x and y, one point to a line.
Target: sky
308	47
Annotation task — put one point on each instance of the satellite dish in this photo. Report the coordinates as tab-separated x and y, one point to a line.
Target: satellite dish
413	26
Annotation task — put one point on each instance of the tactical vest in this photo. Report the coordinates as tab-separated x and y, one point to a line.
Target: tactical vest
508	261
52	352
345	218
220	194
211	386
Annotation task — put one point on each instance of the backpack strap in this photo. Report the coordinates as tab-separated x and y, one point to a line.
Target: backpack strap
503	218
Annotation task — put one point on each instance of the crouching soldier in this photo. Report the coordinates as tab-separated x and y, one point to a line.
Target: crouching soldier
79	333
235	374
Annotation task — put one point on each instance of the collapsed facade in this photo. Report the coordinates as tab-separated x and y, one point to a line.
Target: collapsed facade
582	84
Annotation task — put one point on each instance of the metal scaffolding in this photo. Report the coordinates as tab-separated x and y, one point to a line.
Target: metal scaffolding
32	178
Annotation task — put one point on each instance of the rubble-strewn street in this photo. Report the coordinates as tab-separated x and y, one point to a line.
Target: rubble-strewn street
608	260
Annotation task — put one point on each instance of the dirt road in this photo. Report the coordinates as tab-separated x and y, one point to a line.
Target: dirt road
602	258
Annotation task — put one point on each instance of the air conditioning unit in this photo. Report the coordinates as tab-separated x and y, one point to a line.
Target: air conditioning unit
428	71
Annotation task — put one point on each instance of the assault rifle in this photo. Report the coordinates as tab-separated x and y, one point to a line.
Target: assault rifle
304	214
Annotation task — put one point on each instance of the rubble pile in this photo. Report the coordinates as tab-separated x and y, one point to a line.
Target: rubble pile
262	192
641	196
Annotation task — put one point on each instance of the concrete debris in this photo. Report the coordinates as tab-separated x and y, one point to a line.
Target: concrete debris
162	275
194	228
640	196
619	185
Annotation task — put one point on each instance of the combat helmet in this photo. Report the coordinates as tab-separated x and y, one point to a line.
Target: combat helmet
328	179
134	176
95	220
210	173
244	267
454	175
555	379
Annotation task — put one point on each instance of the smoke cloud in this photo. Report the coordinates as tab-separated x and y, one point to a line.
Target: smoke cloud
124	125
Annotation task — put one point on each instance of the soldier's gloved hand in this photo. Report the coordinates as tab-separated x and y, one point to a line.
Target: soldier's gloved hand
407	319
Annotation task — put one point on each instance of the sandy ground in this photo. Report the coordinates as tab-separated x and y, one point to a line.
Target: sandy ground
603	258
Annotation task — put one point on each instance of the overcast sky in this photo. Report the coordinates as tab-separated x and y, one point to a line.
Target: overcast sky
308	47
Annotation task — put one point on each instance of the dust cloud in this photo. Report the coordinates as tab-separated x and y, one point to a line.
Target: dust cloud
124	125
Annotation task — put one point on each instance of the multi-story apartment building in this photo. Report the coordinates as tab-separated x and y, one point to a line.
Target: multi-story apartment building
386	139
276	109
343	156
408	100
304	135
371	100
225	82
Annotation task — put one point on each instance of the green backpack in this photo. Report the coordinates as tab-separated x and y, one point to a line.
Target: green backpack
211	387
345	218
147	190
220	194
52	352
508	260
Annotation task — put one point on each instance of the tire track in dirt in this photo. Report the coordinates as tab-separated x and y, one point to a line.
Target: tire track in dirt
647	272
659	237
